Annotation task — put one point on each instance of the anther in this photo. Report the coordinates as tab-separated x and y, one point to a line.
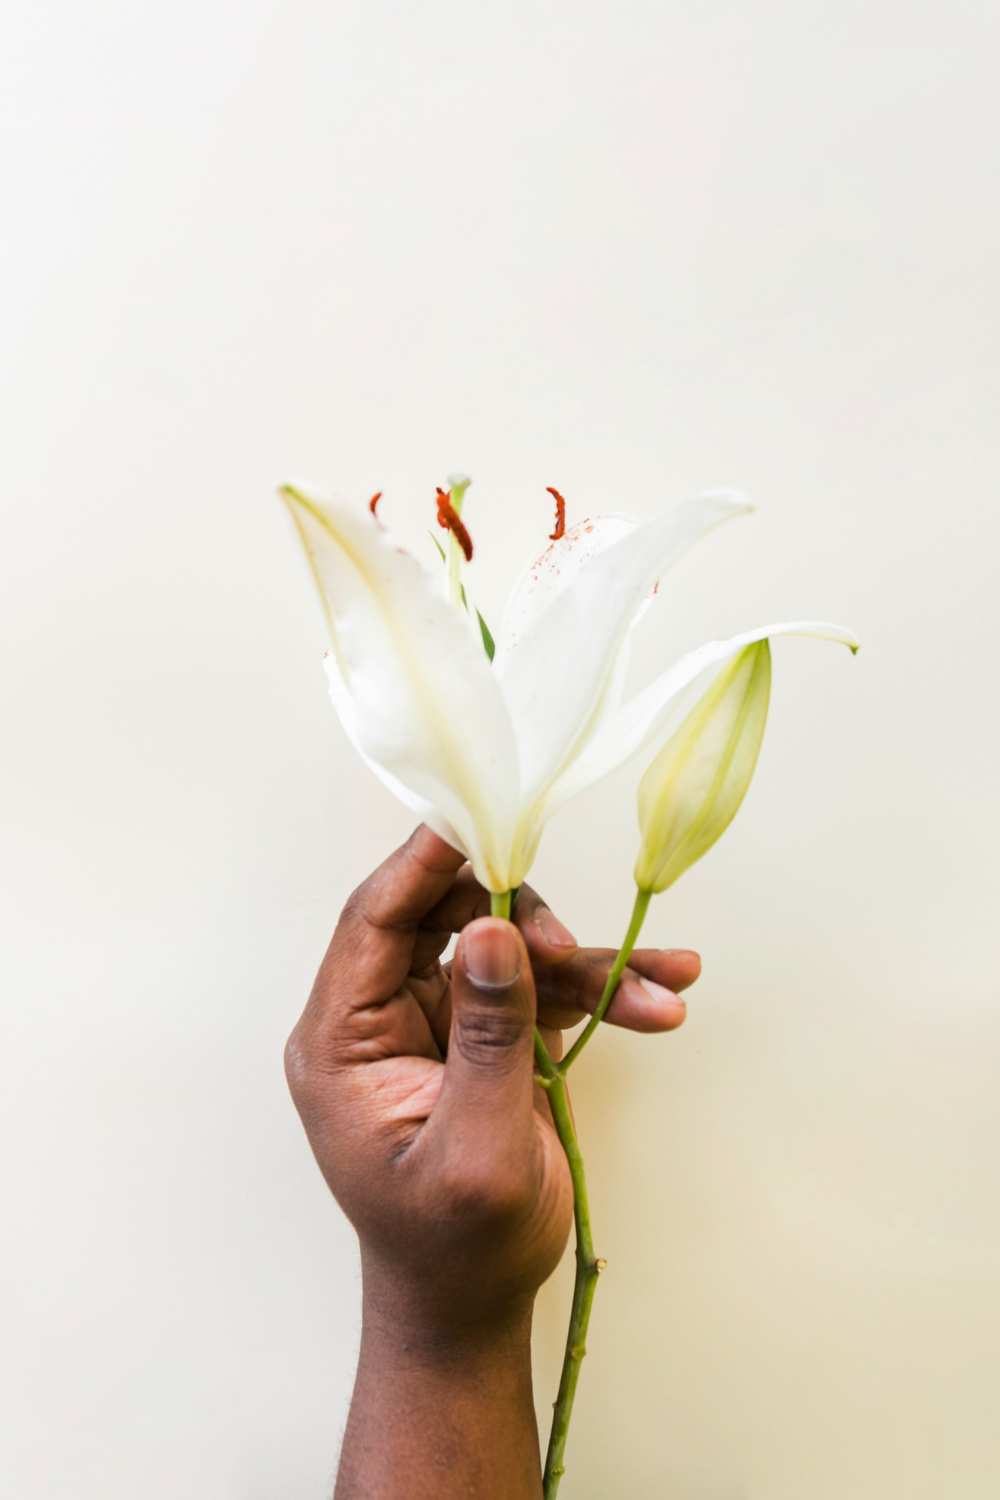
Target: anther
373	502
450	520
560	514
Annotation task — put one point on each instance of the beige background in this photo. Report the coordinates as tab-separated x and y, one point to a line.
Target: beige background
631	250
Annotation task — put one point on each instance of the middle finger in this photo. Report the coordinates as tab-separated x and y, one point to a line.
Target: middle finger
647	998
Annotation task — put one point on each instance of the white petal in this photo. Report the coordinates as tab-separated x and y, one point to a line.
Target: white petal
344	704
427	708
652	714
556	680
552	570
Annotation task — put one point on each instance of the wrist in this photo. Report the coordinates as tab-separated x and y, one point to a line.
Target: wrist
448	1396
427	1320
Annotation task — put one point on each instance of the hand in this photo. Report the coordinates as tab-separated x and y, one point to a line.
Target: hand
415	1084
414	1079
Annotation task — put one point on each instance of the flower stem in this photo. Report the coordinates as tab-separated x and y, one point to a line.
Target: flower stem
642	899
552	1078
500	903
588	1268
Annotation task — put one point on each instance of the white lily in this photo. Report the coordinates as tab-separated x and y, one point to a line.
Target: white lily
485	754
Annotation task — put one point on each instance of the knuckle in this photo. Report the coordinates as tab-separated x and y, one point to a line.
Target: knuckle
295	1054
296	1064
356	901
308	1072
354	916
482	1032
372	910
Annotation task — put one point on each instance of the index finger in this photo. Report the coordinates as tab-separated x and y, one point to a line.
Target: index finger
547	940
372	947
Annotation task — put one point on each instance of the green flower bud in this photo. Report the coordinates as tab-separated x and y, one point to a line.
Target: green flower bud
693	789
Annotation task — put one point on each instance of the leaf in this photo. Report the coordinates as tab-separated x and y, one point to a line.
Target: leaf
488	641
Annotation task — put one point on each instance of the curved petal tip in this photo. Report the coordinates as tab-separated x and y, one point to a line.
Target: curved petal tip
738	499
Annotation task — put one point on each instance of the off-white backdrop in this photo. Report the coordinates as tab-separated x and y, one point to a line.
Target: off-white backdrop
631	250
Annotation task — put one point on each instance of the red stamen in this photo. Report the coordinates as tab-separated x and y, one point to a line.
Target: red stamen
560	514
373	502
449	518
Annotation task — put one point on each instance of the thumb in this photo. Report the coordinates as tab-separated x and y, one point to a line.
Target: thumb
488	1075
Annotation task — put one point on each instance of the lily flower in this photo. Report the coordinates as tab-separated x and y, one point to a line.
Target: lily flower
483	752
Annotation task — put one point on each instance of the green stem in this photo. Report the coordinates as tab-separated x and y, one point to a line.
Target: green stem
500	903
642	899
588	1268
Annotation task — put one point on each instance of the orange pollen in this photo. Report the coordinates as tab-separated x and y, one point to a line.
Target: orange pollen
560	514
373	502
449	518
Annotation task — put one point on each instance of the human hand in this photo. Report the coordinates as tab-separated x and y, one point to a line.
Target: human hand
415	1083
415	1080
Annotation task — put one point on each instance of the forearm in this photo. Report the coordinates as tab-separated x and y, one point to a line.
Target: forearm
440	1412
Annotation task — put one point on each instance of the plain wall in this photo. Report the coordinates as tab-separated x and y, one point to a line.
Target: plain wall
632	250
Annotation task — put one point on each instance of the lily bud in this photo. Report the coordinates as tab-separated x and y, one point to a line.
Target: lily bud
693	789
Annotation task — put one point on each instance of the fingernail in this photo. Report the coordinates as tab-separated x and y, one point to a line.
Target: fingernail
661	994
492	955
553	931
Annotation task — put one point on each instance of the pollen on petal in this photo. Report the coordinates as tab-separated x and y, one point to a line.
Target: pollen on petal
450	520
560	514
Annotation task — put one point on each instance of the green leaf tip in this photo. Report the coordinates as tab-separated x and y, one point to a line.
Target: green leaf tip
488	640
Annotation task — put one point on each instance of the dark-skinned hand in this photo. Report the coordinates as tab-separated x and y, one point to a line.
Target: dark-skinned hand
415	1082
